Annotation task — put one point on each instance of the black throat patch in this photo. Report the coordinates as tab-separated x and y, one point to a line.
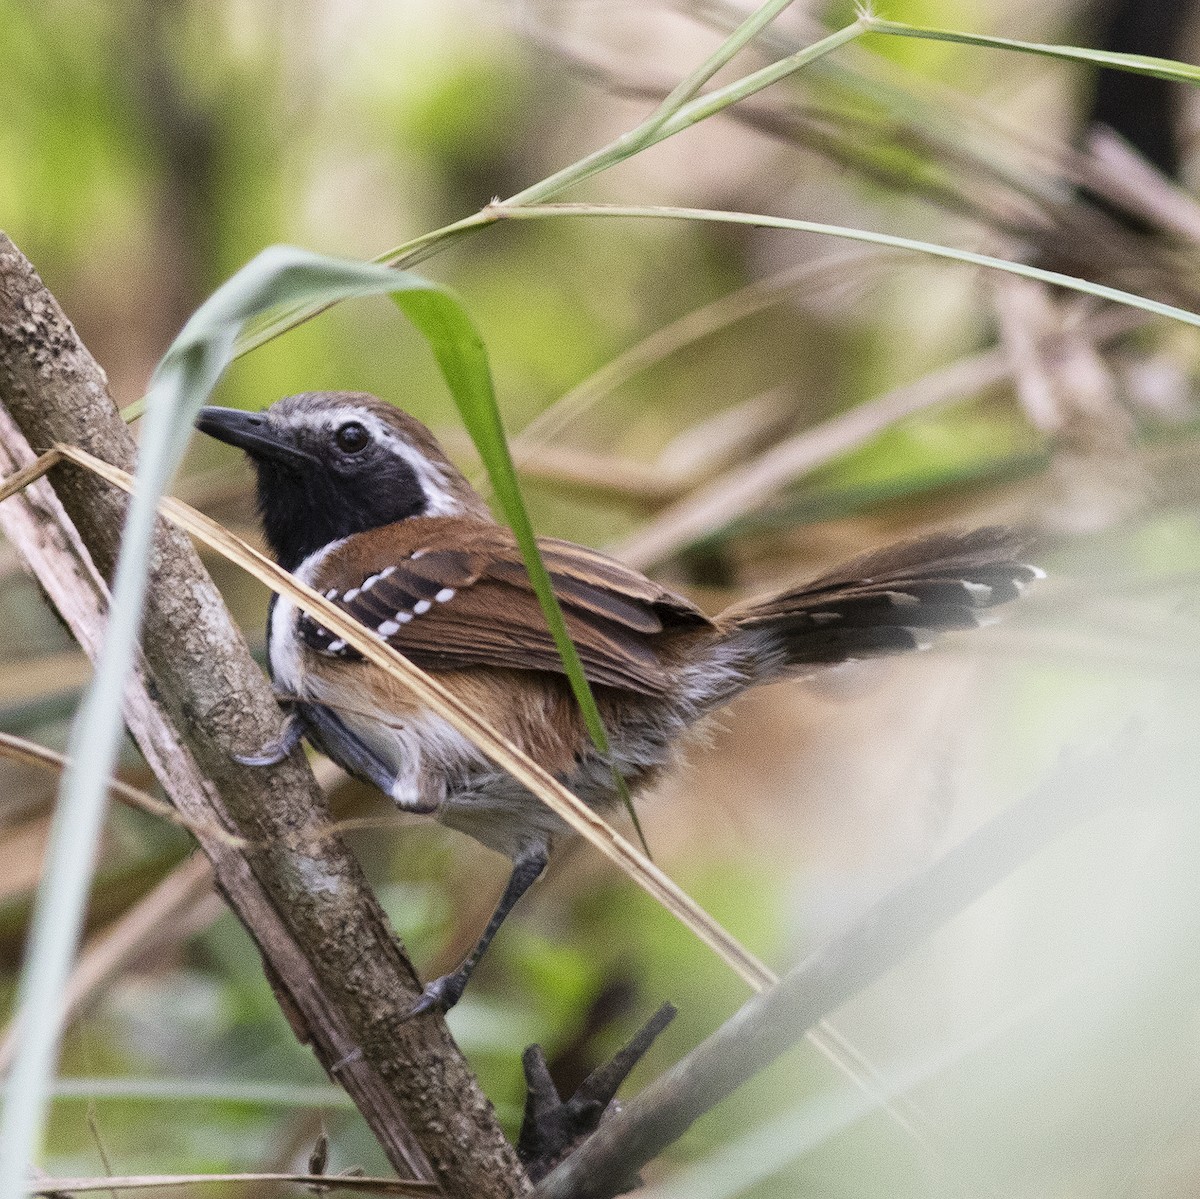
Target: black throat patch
305	506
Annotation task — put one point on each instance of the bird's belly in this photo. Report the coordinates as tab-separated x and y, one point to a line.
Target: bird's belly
430	759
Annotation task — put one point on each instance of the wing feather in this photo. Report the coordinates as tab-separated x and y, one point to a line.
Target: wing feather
454	594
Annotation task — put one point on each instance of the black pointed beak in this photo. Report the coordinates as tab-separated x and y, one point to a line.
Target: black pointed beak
252	432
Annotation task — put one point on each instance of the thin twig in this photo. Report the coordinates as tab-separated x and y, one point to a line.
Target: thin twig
20	749
332	1182
740	491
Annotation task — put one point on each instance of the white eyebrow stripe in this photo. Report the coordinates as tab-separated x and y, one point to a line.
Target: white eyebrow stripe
430	476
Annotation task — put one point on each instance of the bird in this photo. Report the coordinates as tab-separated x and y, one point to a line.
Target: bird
358	500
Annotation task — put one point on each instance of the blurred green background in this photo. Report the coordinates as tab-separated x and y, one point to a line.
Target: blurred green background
1049	1035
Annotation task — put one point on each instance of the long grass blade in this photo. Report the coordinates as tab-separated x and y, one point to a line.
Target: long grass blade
763	221
278	277
1137	64
463	360
248	1092
28	474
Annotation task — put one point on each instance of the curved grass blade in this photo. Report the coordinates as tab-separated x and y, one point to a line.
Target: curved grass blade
458	714
1055	278
1137	64
463	360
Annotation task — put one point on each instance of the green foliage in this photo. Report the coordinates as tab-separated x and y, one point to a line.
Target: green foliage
349	143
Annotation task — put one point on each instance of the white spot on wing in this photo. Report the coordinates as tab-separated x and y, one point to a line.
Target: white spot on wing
388	628
352	595
421	607
446	593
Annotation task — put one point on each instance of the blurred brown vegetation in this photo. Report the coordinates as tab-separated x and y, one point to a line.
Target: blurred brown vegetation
852	396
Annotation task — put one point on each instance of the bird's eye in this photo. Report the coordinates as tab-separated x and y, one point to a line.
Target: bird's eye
352	437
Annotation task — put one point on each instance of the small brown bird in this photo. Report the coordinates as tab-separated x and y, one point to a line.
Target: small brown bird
359	501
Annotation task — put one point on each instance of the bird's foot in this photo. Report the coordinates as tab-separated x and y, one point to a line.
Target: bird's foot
440	995
276	750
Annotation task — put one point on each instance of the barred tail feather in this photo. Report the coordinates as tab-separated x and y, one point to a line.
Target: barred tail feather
883	602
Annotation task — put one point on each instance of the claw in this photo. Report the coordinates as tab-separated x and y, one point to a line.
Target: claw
440	995
275	751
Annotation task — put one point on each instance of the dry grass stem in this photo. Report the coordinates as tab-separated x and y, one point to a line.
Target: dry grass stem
459	716
740	491
50	1187
20	749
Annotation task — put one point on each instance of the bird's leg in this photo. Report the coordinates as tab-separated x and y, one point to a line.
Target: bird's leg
331	736
279	747
443	993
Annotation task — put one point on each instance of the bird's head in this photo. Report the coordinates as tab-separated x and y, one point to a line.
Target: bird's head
334	463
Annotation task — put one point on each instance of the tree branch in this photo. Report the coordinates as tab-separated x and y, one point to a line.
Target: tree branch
197	699
773	1021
